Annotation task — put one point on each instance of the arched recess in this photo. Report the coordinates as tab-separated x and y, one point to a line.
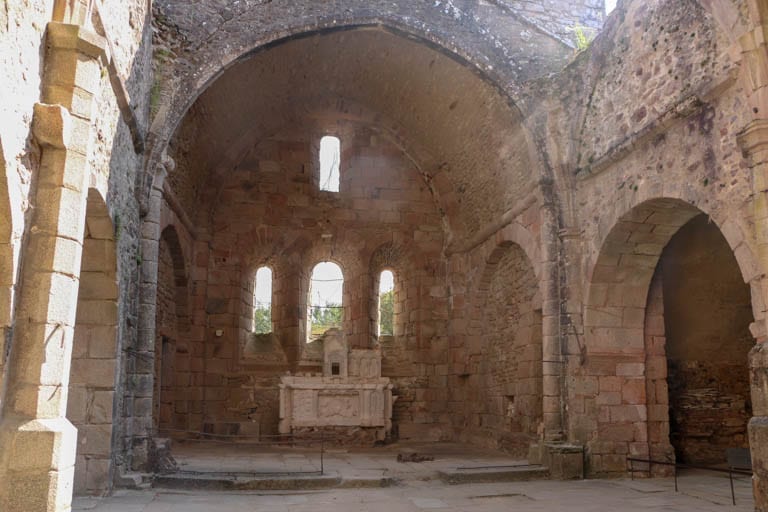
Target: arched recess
178	376
264	244
431	127
395	258
468	47
623	372
92	378
502	388
706	311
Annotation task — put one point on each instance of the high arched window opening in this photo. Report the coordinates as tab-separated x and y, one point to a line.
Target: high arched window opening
262	301
330	159
386	308
326	291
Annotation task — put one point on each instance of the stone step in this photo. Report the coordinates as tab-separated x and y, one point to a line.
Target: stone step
134	480
492	474
257	482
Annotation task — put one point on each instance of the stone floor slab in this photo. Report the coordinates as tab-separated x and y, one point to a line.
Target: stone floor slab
699	492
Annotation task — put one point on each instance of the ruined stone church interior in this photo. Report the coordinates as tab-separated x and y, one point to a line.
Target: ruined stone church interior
537	229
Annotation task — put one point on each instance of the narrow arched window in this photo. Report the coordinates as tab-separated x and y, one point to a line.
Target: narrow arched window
330	163
262	301
386	303
326	292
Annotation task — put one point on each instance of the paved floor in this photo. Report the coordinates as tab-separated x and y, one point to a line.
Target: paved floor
698	493
419	487
347	463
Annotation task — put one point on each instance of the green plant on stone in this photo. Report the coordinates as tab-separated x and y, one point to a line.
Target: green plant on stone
581	38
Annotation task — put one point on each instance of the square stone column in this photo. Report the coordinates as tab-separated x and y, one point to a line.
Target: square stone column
37	442
754	143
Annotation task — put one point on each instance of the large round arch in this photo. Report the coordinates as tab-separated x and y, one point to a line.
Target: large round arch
424	96
623	368
271	23
503	353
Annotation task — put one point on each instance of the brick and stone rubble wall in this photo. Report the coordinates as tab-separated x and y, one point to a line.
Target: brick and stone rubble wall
500	393
707	315
651	58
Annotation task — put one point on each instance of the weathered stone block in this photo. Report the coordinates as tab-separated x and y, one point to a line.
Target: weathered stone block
94	440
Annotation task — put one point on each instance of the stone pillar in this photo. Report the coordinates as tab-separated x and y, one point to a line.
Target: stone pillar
37	442
553	364
754	143
142	381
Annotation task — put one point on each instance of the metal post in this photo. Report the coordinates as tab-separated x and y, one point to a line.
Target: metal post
733	494
322	451
675	466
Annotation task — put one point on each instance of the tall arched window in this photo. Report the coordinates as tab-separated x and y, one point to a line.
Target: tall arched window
330	163
262	301
386	308
326	291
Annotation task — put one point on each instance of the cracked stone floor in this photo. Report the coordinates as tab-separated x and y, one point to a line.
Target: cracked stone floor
698	492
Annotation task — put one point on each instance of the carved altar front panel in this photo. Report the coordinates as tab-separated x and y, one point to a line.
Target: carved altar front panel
329	402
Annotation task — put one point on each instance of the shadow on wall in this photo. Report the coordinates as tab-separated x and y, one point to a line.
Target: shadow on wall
94	352
707	312
503	386
6	272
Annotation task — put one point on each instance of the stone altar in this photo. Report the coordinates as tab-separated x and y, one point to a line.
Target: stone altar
349	393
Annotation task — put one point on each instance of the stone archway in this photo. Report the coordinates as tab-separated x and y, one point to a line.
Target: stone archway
94	352
503	386
697	336
623	375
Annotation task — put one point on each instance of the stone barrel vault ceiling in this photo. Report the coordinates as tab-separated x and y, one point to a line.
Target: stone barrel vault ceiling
461	132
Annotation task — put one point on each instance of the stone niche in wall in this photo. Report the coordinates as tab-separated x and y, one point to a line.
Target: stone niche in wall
350	400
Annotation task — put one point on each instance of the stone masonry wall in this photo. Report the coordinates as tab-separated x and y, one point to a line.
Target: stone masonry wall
167	341
561	18
22	26
100	389
116	160
662	54
90	405
656	389
632	188
501	391
270	212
